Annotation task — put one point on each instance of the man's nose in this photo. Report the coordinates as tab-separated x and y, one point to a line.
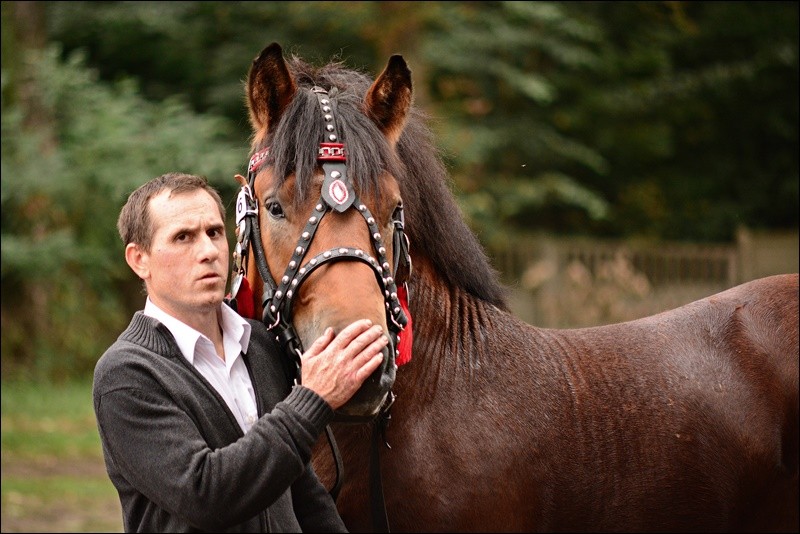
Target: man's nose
208	248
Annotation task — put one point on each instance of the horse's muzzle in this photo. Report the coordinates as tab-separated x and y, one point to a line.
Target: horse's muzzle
367	401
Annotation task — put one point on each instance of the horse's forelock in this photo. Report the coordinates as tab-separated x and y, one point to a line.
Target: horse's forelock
295	140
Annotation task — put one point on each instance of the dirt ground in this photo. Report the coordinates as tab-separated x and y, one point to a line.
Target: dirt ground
67	511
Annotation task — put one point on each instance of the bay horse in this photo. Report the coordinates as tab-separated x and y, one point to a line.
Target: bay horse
682	421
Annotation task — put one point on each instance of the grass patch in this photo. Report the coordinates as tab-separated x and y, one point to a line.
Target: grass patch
49	420
52	489
53	476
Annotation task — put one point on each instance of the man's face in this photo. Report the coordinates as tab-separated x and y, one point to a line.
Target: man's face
186	268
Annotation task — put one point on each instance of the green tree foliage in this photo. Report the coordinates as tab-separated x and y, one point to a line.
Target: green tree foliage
203	50
64	279
665	119
698	107
506	72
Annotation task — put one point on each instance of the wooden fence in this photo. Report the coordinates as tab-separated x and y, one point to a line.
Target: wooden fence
572	282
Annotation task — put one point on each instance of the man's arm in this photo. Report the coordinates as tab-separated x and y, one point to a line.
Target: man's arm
314	506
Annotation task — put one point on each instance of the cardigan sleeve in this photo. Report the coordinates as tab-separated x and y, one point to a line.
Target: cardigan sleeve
314	506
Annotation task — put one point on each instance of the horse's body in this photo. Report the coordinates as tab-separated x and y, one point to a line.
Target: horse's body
686	420
682	421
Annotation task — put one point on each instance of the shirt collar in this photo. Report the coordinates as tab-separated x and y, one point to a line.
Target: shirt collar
234	326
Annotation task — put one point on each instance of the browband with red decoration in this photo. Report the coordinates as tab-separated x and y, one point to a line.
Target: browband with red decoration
327	152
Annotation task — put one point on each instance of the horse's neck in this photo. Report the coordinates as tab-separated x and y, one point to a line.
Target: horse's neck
452	335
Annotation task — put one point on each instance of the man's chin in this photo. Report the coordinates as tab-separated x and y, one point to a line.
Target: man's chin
212	298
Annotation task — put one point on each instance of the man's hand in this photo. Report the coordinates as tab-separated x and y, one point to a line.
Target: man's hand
335	367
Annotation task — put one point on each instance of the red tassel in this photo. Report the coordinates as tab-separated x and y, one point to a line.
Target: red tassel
406	336
244	301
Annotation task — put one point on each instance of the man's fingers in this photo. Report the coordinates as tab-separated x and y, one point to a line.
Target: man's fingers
370	358
374	348
320	343
349	333
368	368
343	340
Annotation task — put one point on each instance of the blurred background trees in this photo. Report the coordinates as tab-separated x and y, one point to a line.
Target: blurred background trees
661	120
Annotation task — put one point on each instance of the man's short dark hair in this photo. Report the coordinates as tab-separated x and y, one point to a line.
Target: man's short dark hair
135	223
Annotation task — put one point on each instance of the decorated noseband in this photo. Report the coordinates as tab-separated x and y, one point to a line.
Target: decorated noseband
337	195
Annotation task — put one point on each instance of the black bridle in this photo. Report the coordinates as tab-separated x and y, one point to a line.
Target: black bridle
278	296
337	195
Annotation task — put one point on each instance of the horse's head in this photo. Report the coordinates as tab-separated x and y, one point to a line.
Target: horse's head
321	208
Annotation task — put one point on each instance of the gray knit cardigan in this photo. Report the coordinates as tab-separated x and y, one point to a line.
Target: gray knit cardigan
179	459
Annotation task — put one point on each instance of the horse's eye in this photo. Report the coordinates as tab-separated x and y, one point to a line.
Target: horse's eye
275	209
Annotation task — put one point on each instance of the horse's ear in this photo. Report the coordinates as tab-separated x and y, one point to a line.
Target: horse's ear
270	88
388	100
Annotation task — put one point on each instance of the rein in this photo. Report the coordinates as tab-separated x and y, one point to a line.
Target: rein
277	298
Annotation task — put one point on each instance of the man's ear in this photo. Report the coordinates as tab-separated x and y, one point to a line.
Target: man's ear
138	260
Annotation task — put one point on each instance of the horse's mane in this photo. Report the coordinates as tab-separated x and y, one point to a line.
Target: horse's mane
434	222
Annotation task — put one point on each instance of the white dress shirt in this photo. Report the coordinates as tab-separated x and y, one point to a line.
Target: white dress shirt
230	377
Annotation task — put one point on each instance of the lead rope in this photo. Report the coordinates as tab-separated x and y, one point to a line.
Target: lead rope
380	519
337	458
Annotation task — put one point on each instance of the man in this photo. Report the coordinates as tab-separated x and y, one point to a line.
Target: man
200	427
